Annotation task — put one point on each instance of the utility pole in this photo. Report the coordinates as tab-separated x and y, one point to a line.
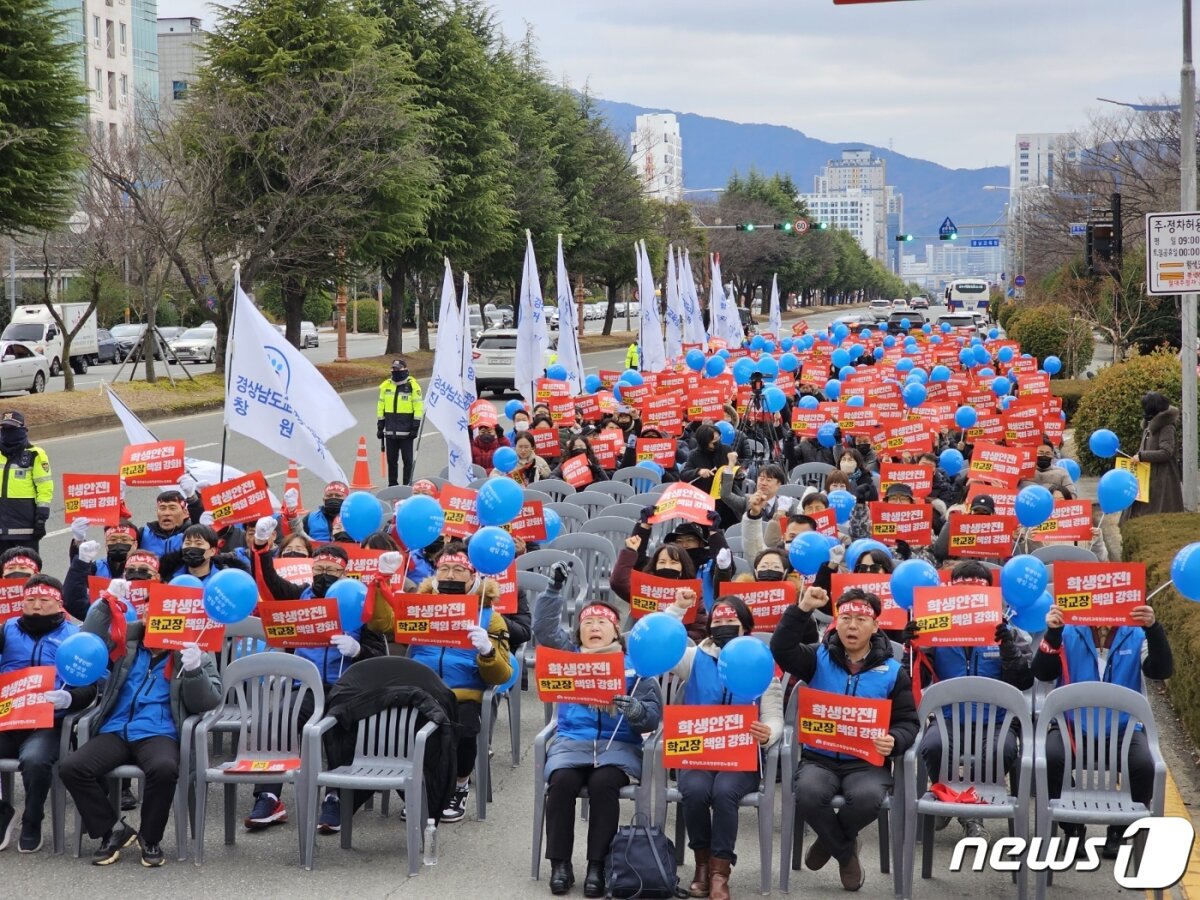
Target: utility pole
1187	302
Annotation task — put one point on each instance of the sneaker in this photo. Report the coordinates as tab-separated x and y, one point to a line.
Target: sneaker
330	820
7	816
109	851
1075	830
152	855
973	828
456	809
30	840
268	810
128	801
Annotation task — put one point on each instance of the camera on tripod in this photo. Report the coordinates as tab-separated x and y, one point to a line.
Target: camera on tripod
756	384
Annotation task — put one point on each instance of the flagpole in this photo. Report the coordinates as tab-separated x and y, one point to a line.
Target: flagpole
237	281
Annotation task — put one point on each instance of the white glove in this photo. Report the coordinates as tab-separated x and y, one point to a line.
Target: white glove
291	498
480	640
346	645
60	699
89	551
79	529
837	553
190	656
389	563
206	518
121	482
264	530
187	486
724	558
119	588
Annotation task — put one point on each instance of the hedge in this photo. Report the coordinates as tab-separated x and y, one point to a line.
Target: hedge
368	316
1155	540
1114	401
1071	390
1050	329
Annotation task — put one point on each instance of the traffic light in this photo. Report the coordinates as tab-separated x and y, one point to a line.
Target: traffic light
952	236
904	237
783	226
745	226
822	226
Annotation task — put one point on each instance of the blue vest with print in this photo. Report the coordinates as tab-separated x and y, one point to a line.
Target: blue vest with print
143	706
1081	660
454	666
317	526
328	660
577	722
953	662
877	684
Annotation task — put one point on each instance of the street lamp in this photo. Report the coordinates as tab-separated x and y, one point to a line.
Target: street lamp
1187	302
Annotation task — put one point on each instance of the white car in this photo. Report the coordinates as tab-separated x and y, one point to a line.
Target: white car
196	345
959	319
880	310
21	369
853	321
495	354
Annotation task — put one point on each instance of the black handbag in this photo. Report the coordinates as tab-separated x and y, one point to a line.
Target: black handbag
641	862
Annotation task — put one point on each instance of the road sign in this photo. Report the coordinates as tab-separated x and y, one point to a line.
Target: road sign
1172	253
948	227
1019	281
1078	229
985	242
801	226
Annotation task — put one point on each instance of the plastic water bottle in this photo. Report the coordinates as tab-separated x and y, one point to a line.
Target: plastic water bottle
430	858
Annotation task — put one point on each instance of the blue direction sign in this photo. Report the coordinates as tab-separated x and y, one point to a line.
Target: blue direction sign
1019	281
948	227
1078	229
985	242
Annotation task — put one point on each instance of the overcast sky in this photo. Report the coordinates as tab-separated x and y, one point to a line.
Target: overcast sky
946	80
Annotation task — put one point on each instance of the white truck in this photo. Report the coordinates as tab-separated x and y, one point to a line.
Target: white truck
34	326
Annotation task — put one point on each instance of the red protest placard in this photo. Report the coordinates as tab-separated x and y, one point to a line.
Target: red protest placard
909	522
1099	593
1005	498
546	389
918	476
21	703
438	620
710	737
152	465
139	592
362	564
238	500
507	601
664	411
649	594
589	407
806	422
12	598
175	616
299	623
1070	521
530	523
683	501
1036	384
458	504
957	615
838	723
659	450
826	521
633	395
545	442
296	569
768	600
593	679
96	498
562	411
858	420
981	537
705	403
608	446
893	617
482	413
1005	466
265	766
1022	429
577	471
988	427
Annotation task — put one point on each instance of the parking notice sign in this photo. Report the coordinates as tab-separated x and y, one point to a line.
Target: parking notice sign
1172	253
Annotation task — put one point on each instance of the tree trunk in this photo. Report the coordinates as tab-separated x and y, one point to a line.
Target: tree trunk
295	292
149	337
396	281
421	312
610	291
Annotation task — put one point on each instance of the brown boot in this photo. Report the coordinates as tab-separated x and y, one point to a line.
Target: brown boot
699	885
719	874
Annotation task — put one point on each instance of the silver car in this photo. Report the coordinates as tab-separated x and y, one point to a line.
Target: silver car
196	345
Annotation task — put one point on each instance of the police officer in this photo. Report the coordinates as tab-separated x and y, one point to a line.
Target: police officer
632	356
399	419
26	486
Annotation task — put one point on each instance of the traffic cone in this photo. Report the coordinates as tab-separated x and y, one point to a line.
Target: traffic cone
362	469
293	483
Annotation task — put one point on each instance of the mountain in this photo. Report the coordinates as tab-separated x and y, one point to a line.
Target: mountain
714	148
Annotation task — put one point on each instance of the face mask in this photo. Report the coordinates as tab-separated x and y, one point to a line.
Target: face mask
624	425
698	556
723	634
668	573
521	426
293	554
35	626
768	575
451	587
331	508
322	583
117	554
1043	463
864	448
137	574
399	375
849	467
12	436
485	438
193	556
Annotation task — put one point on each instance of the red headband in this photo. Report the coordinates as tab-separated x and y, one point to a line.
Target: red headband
591	612
143	556
455	559
972	580
22	561
127	530
336	489
857	608
723	609
326	554
48	591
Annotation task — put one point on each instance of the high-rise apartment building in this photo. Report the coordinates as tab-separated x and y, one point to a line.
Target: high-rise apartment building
180	54
657	155
851	210
862	175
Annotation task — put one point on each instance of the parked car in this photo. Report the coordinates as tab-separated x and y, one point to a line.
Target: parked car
127	336
915	320
919	303
495	355
196	345
21	369
499	316
309	337
880	310
106	347
900	303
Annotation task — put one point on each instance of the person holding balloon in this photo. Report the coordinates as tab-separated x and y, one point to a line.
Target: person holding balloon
598	748
1070	654
579	446
148	695
854	659
199	556
33	639
484	443
710	798
1048	473
527	467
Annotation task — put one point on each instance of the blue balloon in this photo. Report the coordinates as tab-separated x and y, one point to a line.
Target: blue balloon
951	461
840	330
904	365
187	581
1052	365
351	597
877	353
757	342
1117	490
1001	386
935	339
889	341
910	575
504	459
856	352
840	358
695	359
512	407
491	549
788	362
981	354
230	595
553	523
966	417
1033	617
724	354
768	347
746	667
920	374
715	366
727	432
808	552
1005	354
1185	572
556	372
945	326
966	356
773	399
742	370
499	500
1034	505
768	367
656	644
864	545
994	333
592	384
827	435
905	323
846	372
361	515
633	376
82	659
833	388
808	401
914	394
842	502
419	521
1104	443
617	388
1022	580
1071	466
786	344
856	400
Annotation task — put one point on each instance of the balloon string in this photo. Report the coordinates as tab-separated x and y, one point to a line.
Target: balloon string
1158	590
197	643
621	717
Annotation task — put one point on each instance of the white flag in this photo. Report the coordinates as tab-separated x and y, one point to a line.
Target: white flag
693	321
569	356
718	306
452	384
774	320
733	323
532	338
653	357
674	310
277	397
467	364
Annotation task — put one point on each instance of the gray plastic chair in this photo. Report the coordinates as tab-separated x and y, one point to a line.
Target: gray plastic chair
557	488
649	497
811	474
572	516
626	510
736	545
389	755
476	472
594	502
264	692
619	490
243	638
1093	791
640	479
1064	553
984	711
476	483
535	494
531	583
489	706
58	793
598	556
395	492
541	561
795	491
734	530
615	528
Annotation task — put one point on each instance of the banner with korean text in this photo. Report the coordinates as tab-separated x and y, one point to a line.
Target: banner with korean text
711	737
840	723
593	679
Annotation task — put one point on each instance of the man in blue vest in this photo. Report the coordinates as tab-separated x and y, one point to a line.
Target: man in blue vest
854	659
1072	653
322	524
174	511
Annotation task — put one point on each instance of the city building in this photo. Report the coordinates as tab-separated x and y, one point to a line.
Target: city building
180	55
102	30
852	210
1036	155
895	226
948	260
657	155
862	175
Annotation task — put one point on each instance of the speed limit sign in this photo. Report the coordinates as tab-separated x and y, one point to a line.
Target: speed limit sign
801	226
